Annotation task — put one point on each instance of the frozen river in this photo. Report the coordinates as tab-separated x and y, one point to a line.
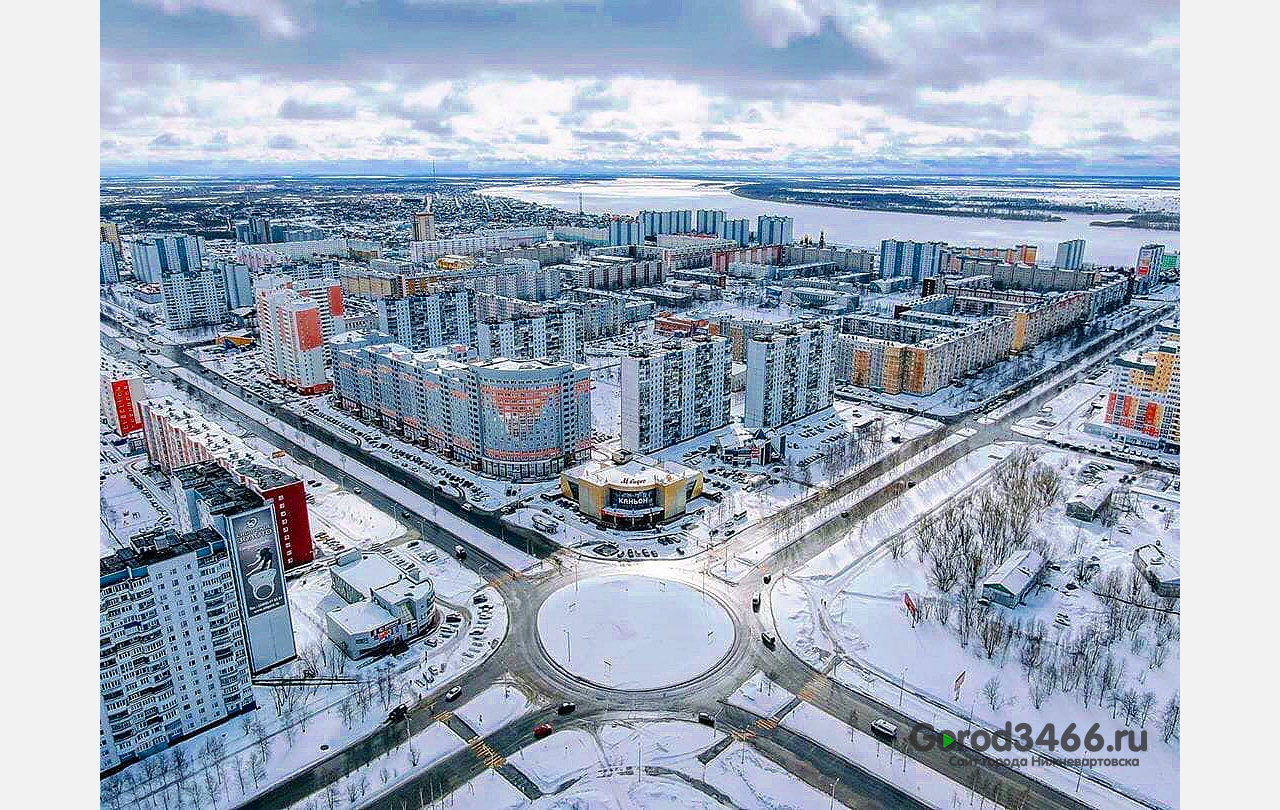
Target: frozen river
1105	246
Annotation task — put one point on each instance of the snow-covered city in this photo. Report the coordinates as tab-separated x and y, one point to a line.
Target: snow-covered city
766	405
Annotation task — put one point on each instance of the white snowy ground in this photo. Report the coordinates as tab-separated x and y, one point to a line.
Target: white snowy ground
761	696
495	707
601	630
745	560
604	763
858	594
124	509
864	750
433	744
575	753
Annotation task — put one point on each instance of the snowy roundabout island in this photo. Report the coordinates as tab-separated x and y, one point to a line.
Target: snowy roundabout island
634	633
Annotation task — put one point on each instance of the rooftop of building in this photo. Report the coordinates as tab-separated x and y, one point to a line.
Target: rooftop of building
639	471
157	545
361	617
217	488
366	572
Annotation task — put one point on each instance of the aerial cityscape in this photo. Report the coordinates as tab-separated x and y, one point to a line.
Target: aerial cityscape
477	435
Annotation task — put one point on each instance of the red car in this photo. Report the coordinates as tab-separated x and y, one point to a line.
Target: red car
541	730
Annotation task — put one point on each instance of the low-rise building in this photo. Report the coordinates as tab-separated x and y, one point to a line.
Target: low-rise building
1162	572
386	604
630	494
1014	579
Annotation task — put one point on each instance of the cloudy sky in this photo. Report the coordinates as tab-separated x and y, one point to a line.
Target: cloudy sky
812	86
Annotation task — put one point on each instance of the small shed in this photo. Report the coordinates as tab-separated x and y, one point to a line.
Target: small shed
1014	578
1089	501
1161	571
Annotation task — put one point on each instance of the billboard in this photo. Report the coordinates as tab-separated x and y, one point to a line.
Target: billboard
259	573
622	499
259	566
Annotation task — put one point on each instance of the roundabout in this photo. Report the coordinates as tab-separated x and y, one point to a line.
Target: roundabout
633	633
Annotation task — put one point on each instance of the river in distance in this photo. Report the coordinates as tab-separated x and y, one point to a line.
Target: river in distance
846	226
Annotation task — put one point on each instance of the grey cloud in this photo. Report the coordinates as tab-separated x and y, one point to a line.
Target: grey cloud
602	136
525	137
168	140
720	135
296	109
282	142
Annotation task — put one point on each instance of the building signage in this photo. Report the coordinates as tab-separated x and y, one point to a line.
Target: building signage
259	566
633	500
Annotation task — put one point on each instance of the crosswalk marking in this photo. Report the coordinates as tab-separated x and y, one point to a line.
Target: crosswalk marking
444	716
485	753
742	736
810	690
767	723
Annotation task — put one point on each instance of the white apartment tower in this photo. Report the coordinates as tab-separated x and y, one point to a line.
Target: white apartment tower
788	374
296	319
674	391
172	655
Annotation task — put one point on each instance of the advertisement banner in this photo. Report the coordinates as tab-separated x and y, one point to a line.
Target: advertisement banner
259	566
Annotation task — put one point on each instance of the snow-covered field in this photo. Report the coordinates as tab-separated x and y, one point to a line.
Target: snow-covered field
761	696
601	630
495	707
751	780
848	602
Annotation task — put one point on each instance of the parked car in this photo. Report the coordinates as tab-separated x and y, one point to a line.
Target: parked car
768	639
706	719
755	603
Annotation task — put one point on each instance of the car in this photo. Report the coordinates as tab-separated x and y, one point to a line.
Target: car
566	708
767	578
768	639
542	730
706	719
397	714
460	552
453	693
755	603
479	599
884	728
453	618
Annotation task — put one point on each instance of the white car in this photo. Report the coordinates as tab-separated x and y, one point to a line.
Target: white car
884	727
453	693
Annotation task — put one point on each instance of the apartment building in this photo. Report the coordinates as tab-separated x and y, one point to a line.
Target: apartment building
108	264
774	230
120	390
556	334
1146	386
653	223
172	644
614	272
193	296
295	321
177	435
673	391
522	420
426	320
788	374
915	260
156	253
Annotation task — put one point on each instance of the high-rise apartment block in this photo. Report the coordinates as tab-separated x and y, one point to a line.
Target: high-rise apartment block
177	435
1147	271
788	374
653	223
739	230
906	258
296	318
427	320
624	231
674	391
1070	255
108	264
521	420
193	296
109	232
172	651
773	230
558	333
158	253
710	222
120	392
424	225
1146	386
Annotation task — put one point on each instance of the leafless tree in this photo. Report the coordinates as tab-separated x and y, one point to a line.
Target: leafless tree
944	569
239	768
332	797
1129	705
1145	704
111	794
992	694
1037	687
257	767
414	755
353	790
991	630
1171	718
